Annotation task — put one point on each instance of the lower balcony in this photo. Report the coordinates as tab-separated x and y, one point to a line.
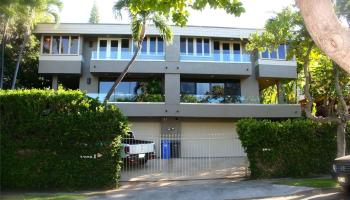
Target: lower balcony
60	64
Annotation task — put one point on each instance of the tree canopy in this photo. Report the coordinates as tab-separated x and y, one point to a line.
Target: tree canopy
94	14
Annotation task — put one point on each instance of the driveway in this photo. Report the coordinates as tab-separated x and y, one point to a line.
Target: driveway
202	190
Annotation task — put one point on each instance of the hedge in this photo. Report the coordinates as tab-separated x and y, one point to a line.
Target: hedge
58	140
291	148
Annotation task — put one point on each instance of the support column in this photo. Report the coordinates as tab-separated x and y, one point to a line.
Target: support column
280	93
172	89
54	82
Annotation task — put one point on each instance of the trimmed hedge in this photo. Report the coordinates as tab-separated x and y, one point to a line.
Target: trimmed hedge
291	148
58	140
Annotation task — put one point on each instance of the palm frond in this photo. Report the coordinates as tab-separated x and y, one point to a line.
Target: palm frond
164	29
120	6
136	28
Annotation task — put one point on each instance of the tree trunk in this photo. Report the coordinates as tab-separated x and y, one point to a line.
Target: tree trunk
341	140
3	45
326	30
19	58
128	66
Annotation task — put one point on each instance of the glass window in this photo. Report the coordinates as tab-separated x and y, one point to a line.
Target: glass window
152	45
114	49
233	88
125	45
74	41
281	52
273	55
160	45
199	46
64	44
265	54
226	51
183	45
56	45
237	52
203	89
188	87
105	86
190	45
206	46
46	44
144	46
217	88
103	49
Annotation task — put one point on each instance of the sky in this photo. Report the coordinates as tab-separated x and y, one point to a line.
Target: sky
257	12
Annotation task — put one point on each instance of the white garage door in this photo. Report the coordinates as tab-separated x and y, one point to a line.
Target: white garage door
149	131
210	139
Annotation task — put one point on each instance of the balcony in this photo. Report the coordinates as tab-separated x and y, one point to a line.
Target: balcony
129	97
60	64
273	68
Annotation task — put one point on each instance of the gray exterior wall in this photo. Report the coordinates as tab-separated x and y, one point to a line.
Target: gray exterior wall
172	70
59	67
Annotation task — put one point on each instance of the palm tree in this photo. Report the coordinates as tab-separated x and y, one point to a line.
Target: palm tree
139	21
31	12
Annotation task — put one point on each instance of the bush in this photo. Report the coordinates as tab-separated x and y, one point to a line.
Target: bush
62	139
291	148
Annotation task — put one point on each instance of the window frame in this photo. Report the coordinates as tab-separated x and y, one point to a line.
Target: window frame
148	42
195	53
277	52
60	45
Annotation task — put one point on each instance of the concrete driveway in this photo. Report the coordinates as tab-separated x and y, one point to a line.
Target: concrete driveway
202	190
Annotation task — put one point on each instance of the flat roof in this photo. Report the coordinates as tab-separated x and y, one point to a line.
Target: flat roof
124	29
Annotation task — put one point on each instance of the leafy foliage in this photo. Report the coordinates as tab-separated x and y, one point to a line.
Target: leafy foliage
291	148
61	139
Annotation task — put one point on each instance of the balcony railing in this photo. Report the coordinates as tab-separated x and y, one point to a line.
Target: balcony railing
189	98
129	97
217	57
126	55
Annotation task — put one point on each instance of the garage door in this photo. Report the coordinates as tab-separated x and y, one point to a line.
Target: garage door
149	131
210	139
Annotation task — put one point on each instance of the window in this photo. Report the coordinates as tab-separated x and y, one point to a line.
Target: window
46	44
160	45
65	45
282	52
152	45
60	45
226	51
225	91
279	53
125	45
206	47
74	42
199	46
55	45
183	45
236	52
190	45
144	46
103	49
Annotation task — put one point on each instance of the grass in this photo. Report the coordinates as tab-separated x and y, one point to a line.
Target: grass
311	182
44	197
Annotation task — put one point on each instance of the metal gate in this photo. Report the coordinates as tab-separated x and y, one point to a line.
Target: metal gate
175	158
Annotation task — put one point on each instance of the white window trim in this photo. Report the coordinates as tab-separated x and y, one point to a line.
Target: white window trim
108	48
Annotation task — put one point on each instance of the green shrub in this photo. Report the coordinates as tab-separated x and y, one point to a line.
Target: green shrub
291	148
62	139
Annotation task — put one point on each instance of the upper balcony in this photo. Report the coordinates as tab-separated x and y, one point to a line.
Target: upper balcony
274	64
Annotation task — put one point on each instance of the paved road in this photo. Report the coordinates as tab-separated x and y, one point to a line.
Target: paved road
202	190
326	194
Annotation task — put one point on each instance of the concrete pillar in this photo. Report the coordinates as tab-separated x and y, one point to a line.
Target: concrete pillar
280	93
54	82
172	51
172	89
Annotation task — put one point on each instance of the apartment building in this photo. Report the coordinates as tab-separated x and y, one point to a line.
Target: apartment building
196	87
